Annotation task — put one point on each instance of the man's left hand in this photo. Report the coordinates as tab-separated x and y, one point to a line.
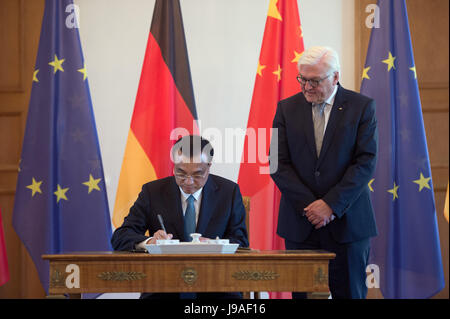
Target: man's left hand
318	213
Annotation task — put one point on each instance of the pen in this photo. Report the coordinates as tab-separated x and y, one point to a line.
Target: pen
161	222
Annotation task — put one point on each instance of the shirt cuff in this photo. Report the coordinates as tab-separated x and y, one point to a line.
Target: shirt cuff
141	245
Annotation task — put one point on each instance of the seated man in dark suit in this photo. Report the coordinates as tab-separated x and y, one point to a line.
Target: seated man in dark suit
193	200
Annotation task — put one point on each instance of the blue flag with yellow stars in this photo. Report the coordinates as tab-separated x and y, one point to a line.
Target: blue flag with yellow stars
407	250
61	203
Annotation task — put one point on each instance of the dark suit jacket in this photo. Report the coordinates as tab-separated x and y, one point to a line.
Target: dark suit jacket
221	213
339	176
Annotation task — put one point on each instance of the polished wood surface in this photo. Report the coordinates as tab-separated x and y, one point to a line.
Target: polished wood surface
141	272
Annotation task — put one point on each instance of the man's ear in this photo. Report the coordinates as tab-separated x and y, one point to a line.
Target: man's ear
336	78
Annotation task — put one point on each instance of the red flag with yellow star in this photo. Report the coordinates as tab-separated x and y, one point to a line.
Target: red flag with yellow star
275	80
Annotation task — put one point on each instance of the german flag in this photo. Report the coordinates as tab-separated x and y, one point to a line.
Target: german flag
164	109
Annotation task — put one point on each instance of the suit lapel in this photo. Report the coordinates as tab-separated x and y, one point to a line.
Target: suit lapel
207	205
337	111
174	212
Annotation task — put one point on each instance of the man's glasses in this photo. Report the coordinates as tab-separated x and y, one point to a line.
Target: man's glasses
313	82
196	177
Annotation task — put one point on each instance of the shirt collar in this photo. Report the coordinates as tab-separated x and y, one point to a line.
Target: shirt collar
330	100
185	196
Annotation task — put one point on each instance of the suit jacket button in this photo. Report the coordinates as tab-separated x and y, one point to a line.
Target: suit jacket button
317	173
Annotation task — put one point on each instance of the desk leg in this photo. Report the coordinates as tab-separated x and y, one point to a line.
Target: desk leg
318	295
251	295
254	294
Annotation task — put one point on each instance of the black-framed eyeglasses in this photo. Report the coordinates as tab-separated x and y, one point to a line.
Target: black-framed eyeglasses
196	177
313	82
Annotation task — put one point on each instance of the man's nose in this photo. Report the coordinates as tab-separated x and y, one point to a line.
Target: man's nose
308	86
189	180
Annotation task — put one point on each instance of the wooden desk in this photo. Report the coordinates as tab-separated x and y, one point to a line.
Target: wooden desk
100	272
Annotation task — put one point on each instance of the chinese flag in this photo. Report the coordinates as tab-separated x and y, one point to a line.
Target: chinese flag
164	101
275	80
4	270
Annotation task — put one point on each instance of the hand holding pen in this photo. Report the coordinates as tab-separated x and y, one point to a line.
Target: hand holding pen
160	234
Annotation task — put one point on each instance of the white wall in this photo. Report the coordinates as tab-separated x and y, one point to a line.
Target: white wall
223	39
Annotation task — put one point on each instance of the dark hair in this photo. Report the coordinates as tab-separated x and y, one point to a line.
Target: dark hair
193	145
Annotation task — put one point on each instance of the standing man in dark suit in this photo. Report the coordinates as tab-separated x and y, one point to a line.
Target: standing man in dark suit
193	200
327	146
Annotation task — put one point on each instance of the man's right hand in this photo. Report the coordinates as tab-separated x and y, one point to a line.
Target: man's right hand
160	234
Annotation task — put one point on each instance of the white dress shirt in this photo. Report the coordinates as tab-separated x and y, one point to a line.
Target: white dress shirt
183	196
329	104
198	200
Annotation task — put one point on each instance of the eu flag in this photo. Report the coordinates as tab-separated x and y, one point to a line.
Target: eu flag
61	202
407	249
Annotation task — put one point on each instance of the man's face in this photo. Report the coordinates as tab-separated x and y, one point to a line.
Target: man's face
327	81
191	176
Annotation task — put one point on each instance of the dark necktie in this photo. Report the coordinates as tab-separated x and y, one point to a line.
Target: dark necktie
189	219
319	124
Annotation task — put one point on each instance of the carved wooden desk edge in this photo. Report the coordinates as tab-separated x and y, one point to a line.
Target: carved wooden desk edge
139	272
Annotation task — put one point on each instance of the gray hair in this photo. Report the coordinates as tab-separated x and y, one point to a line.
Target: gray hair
316	54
